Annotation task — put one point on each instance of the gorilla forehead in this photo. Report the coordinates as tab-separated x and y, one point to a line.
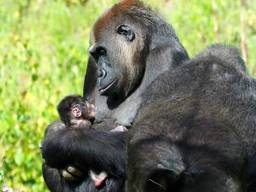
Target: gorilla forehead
135	12
115	11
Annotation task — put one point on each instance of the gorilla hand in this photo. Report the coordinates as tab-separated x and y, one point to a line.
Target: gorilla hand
90	150
71	173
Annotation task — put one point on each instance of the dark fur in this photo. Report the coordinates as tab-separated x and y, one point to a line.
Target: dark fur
65	105
198	122
102	151
91	150
65	111
193	120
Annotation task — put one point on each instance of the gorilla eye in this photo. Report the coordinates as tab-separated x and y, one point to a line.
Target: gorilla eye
126	32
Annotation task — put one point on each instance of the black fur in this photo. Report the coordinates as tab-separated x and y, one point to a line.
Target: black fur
196	128
193	122
65	106
87	150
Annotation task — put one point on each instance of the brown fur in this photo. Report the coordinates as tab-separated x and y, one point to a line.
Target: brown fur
116	10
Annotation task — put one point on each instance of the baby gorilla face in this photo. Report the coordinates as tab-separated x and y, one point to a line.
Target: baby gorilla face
81	114
83	110
75	112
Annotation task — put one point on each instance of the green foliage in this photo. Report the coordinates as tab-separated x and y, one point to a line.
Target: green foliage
43	54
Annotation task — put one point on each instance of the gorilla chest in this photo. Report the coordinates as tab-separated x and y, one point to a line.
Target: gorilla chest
123	114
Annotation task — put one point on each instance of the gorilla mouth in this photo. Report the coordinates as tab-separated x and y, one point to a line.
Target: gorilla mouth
103	90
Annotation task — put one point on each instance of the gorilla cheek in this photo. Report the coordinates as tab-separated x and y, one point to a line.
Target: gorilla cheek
107	78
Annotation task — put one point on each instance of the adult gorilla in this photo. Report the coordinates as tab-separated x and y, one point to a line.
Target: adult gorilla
192	121
131	46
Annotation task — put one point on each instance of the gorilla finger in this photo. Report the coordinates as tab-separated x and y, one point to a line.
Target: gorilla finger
67	176
74	171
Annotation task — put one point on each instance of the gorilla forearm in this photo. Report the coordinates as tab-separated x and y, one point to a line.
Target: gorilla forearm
84	148
56	182
72	153
53	178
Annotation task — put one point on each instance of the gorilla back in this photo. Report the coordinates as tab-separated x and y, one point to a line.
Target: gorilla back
196	129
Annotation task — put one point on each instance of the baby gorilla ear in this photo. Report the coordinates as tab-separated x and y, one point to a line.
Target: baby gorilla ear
76	111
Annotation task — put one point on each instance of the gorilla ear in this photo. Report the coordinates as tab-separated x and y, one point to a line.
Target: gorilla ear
127	32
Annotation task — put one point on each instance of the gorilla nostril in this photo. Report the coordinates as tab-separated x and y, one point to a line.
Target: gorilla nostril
102	73
97	51
101	51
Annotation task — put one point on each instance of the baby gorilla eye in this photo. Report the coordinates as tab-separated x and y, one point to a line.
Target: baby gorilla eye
126	32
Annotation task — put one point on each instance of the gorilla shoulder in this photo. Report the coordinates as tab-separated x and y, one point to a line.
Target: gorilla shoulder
226	55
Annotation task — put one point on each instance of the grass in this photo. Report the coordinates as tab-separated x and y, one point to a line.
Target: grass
43	55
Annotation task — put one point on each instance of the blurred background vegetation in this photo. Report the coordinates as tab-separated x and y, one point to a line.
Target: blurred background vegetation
43	54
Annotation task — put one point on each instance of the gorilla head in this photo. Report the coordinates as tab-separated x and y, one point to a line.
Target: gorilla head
124	42
118	50
118	47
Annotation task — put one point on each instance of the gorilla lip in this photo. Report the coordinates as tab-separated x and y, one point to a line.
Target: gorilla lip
104	89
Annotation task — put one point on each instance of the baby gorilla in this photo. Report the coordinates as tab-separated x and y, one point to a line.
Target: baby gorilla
75	112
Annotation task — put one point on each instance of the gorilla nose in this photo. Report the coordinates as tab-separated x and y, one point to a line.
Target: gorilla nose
97	51
102	73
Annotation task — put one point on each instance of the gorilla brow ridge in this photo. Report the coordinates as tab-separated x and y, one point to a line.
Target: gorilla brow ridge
115	11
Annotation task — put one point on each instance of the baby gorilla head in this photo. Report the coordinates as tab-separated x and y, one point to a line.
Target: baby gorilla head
76	112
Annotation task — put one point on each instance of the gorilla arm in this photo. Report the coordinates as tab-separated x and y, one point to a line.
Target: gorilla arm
85	149
83	160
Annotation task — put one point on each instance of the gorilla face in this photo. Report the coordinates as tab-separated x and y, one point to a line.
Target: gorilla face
117	51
